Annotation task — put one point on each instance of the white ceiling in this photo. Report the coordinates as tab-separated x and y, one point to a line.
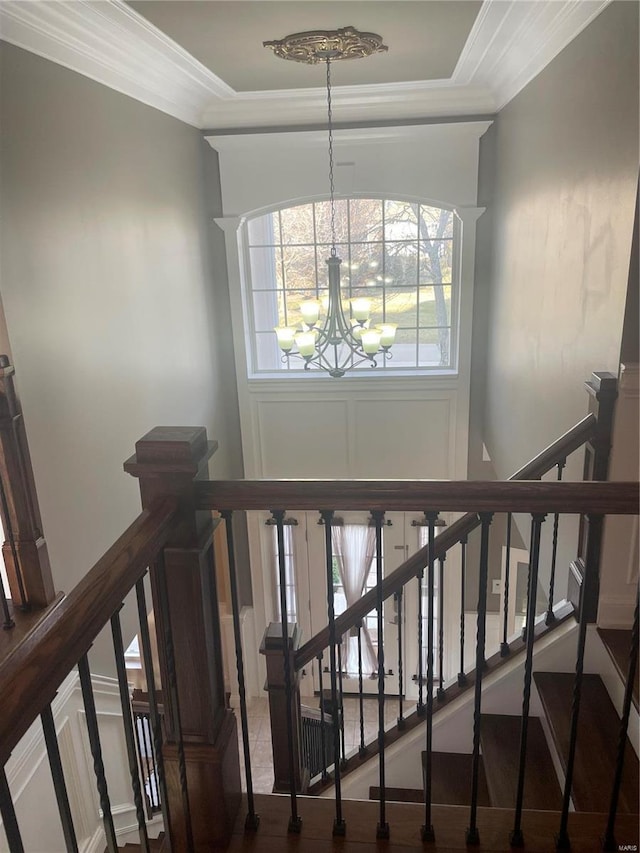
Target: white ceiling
203	62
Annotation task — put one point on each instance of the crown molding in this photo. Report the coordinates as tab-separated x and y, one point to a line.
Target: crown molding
108	41
511	42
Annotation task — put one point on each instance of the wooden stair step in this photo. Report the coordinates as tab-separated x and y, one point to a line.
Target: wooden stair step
398	795
596	744
450	782
500	741
618	644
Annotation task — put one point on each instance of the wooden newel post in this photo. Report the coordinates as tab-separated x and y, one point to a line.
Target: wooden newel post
272	648
24	550
602	389
167	462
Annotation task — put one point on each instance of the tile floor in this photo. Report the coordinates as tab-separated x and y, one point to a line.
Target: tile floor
260	732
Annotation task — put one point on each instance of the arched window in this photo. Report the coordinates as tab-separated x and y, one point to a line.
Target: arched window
402	255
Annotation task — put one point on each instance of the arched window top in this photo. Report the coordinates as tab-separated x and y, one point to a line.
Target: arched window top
401	255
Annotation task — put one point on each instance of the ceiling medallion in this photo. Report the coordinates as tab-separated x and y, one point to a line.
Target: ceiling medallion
319	45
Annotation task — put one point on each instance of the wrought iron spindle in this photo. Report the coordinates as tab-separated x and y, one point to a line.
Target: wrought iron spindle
382	830
550	617
295	821
504	645
462	678
401	720
8	814
441	628
169	649
589	584
517	837
343	753
362	749
154	715
127	722
252	820
420	709
323	734
427	832
609	841
57	775
339	825
96	752
473	836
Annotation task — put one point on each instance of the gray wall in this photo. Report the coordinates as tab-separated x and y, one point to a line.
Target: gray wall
564	154
115	303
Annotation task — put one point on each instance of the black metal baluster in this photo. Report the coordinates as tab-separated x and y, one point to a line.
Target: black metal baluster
382	830
295	821
420	709
252	820
96	752
427	832
517	837
160	781
550	617
343	759
127	722
589	584
323	734
8	814
57	775
609	841
440	693
165	614
473	836
504	645
362	750
400	721
462	678
339	825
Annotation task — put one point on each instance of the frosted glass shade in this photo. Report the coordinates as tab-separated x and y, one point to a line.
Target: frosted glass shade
286	338
370	341
361	308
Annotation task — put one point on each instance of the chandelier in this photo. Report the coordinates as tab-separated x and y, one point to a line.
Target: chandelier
344	337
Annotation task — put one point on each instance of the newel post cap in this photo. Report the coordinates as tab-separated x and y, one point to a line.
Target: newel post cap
171	450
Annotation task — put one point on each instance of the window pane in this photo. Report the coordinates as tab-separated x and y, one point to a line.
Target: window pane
294	298
366	265
433	347
435	222
268	310
299	267
322	254
400	220
266	268
264	230
435	305
401	263
323	221
404	348
401	306
365	219
435	261
267	352
297	224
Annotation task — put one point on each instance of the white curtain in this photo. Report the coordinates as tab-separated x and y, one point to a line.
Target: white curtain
355	546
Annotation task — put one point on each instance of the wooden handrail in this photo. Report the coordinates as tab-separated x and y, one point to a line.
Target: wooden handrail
440	495
30	677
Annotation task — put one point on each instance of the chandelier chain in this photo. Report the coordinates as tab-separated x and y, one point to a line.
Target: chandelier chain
332	202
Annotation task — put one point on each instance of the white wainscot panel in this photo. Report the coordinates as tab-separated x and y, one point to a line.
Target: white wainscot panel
299	438
403	439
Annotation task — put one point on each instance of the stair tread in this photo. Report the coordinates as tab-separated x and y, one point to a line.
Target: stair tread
450	782
596	744
618	643
500	740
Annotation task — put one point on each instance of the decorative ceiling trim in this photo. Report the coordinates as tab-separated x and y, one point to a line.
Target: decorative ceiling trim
510	43
108	41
